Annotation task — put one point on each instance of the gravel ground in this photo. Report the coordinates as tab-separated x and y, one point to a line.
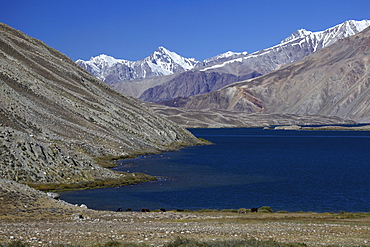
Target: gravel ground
33	217
88	227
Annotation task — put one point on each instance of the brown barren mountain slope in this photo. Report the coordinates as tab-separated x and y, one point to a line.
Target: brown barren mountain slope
55	117
214	118
333	81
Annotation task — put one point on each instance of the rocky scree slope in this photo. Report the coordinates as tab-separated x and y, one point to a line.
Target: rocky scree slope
27	160
55	116
333	81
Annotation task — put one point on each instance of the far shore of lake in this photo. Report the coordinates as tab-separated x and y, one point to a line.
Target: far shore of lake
327	127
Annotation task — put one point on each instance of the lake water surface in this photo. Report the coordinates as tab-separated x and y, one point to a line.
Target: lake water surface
321	171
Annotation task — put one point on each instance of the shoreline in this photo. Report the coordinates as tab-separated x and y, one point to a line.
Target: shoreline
30	216
138	206
365	127
107	162
63	228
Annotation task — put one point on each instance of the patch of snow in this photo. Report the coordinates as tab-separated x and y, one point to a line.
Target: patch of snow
158	69
223	64
226	55
296	35
186	63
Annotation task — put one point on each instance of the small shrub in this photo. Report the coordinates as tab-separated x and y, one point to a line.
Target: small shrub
242	211
112	244
229	210
97	183
119	244
204	141
207	210
16	243
182	242
265	209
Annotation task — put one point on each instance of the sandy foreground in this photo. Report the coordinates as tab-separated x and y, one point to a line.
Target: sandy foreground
34	218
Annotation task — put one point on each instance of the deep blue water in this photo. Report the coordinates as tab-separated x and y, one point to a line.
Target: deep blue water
321	171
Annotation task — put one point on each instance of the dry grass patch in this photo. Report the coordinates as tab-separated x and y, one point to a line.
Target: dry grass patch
125	179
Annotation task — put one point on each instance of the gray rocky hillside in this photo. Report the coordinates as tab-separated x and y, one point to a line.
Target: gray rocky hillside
55	117
26	159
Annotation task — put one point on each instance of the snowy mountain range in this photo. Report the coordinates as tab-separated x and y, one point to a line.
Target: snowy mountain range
298	45
160	62
334	81
226	68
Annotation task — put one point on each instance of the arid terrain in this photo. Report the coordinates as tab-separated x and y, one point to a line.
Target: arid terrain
35	218
58	124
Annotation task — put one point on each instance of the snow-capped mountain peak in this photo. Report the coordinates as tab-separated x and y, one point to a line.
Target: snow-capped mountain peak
330	35
352	27
296	46
105	60
171	61
98	65
300	33
160	62
164	62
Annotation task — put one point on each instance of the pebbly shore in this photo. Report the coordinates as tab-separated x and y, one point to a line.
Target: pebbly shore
39	219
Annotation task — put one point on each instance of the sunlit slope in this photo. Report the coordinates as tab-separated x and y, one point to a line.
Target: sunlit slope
45	96
333	81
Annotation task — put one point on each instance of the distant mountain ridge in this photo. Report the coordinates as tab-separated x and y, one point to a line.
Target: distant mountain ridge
334	81
161	62
297	46
165	75
330	35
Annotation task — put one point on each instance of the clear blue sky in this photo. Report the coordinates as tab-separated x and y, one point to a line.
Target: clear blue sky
133	29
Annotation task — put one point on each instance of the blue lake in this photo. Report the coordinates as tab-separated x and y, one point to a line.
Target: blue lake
321	171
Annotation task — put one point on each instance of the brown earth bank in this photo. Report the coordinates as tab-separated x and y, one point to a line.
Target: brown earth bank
34	218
